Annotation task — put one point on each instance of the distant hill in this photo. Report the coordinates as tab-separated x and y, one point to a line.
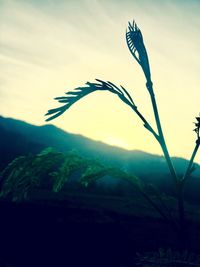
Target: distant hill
20	138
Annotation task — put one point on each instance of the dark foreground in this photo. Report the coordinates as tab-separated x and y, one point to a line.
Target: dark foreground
37	235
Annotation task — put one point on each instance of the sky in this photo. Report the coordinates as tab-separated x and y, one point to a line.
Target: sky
49	47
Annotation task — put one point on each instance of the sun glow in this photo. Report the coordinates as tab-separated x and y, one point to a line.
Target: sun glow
116	141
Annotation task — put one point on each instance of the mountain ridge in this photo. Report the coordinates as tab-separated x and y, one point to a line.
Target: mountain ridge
33	138
52	127
55	128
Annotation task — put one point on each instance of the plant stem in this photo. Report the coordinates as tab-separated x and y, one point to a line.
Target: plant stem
154	205
161	136
181	207
146	124
177	181
180	188
163	204
188	170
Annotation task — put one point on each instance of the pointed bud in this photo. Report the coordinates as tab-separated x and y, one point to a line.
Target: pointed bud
137	48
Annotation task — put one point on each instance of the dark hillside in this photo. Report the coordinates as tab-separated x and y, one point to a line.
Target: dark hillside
20	138
23	137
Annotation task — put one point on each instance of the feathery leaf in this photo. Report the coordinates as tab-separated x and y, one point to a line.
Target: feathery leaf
80	92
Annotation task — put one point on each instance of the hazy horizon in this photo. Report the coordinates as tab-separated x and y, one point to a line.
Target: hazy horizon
49	47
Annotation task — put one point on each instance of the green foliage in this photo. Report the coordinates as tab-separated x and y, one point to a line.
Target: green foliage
94	171
56	169
72	163
97	171
26	172
90	171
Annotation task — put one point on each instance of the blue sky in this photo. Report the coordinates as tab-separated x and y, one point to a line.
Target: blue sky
50	47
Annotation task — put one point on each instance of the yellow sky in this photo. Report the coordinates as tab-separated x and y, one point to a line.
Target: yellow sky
50	47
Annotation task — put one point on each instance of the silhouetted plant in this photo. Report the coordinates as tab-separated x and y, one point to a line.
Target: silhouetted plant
137	48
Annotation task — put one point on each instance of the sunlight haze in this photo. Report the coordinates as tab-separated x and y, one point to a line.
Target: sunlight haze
50	47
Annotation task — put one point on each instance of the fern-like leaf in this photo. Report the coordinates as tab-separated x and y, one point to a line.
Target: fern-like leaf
72	163
80	92
25	173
